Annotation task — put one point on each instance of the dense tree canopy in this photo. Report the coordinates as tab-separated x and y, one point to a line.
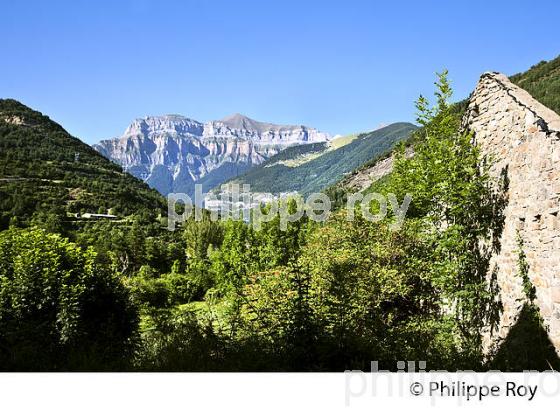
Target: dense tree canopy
58	308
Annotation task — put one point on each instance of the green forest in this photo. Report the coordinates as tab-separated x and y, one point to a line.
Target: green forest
542	81
45	173
127	294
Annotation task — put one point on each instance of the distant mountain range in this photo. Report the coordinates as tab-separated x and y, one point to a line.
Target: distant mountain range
43	168
172	153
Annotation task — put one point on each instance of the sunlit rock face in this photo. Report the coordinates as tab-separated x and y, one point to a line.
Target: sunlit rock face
172	153
519	138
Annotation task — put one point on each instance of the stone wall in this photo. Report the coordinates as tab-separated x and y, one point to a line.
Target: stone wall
521	138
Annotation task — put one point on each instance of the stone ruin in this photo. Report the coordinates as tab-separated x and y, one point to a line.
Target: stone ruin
521	139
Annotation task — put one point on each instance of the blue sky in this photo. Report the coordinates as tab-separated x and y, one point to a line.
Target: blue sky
340	66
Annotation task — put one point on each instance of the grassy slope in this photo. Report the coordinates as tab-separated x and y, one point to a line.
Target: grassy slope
319	173
39	170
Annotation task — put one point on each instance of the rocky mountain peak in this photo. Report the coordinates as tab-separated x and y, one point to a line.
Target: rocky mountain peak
242	122
164	124
172	152
241	126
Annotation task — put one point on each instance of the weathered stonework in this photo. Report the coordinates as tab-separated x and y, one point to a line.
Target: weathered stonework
521	138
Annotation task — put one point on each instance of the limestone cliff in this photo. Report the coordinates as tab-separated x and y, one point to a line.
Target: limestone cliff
172	153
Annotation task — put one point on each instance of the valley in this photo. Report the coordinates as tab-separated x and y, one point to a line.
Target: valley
93	279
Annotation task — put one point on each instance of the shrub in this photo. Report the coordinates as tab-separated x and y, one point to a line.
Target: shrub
58	308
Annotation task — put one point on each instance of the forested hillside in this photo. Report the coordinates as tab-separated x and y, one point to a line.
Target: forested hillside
43	169
315	175
542	81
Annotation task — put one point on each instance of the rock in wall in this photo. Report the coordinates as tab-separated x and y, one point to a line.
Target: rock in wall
521	139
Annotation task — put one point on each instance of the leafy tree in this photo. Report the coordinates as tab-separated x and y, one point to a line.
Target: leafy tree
58	308
449	184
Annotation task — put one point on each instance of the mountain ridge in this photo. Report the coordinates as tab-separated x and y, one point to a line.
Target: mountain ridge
172	152
44	168
329	165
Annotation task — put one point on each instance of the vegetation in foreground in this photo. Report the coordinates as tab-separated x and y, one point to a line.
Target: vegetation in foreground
317	297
